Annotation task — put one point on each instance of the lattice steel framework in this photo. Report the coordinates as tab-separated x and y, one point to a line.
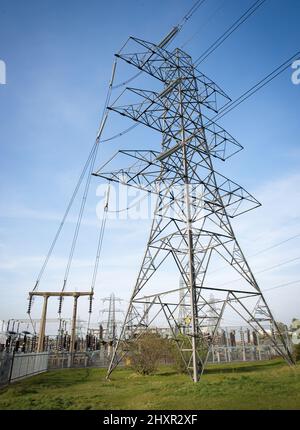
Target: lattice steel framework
193	207
111	324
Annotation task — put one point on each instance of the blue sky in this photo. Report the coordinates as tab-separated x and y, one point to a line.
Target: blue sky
59	56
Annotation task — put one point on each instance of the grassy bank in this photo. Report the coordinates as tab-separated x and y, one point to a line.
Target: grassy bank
264	385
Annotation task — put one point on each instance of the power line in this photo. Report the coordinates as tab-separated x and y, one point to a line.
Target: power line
191	12
229	31
275	245
255	88
282	285
235	103
278	265
176	30
89	167
257	273
88	181
98	253
115	136
263	250
207	21
81	177
179	26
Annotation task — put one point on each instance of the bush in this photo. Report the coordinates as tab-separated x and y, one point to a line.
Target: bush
178	362
297	352
183	341
147	352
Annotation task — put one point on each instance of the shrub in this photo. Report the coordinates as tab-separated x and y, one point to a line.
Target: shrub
297	352
183	341
178	362
147	352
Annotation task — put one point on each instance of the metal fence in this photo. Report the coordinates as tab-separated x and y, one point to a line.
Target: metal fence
5	367
25	365
14	367
62	360
227	354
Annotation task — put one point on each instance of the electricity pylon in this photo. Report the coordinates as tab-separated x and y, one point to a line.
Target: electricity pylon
110	325
191	222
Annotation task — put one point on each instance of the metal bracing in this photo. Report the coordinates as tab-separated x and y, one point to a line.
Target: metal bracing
194	204
110	324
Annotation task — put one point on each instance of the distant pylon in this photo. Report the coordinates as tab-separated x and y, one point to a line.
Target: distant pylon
111	323
191	222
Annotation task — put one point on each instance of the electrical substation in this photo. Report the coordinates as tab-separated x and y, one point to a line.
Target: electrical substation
192	230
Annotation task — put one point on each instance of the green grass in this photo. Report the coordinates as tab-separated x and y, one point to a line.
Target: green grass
263	385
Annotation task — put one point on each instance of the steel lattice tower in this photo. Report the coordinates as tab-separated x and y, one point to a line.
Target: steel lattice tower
110	325
193	208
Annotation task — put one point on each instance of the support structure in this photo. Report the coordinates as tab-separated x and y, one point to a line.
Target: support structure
46	295
192	219
40	346
111	323
73	328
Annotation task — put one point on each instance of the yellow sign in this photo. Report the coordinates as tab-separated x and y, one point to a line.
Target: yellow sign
187	320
